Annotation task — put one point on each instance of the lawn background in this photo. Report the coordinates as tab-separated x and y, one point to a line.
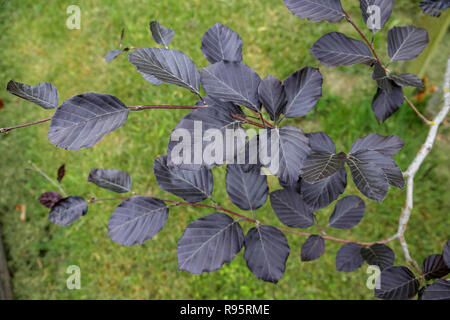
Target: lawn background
37	47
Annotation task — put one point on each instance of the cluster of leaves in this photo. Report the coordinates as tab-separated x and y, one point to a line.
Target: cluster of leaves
336	49
434	7
400	283
311	172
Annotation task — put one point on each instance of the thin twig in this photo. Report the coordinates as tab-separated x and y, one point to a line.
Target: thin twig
349	19
137	108
245	120
421	116
42	173
5	130
242	217
372	48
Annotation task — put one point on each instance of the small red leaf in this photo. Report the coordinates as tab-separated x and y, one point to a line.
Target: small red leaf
49	199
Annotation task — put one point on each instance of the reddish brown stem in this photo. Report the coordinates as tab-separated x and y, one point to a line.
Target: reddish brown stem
240	216
5	130
137	108
421	116
369	43
256	124
349	19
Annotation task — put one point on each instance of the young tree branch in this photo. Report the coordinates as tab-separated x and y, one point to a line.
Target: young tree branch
42	173
139	108
372	48
369	43
6	130
245	218
410	173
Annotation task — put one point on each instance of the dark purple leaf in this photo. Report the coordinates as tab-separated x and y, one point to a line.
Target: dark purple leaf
247	190
321	194
111	179
440	290
290	151
266	252
433	7
374	157
347	213
390	169
66	211
221	43
368	178
112	54
376	13
385	104
296	186
382	78
316	10
161	34
434	267
216	116
378	255
169	66
232	82
446	253
303	90
421	292
208	243
387	145
406	80
395	177
349	257
152	79
82	121
397	283
191	185
137	220
44	95
336	49
49	199
406	43
248	157
273	96
319	166
61	172
291	209
313	248
321	142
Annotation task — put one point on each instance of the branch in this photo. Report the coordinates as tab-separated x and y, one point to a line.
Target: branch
139	108
242	217
6	130
421	116
42	173
256	124
349	19
417	162
372	48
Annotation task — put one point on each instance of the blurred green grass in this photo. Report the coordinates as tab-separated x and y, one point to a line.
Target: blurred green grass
37	47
